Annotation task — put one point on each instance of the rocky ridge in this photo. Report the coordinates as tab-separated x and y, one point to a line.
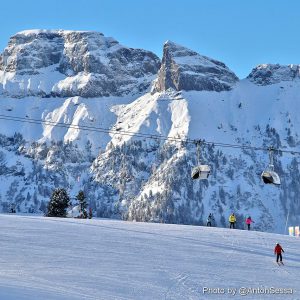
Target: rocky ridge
73	63
266	74
184	69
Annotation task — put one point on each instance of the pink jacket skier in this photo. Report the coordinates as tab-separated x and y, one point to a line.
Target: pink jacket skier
249	221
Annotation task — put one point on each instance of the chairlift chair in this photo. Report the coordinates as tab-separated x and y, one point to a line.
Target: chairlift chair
200	171
269	176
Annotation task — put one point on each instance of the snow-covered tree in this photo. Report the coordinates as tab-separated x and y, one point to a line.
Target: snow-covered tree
58	203
82	203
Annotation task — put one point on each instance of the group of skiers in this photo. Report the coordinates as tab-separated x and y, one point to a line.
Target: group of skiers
232	221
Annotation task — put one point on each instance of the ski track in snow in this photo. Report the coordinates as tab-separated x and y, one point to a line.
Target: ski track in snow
50	258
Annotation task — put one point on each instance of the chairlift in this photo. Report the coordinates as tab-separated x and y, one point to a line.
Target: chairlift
269	176
200	171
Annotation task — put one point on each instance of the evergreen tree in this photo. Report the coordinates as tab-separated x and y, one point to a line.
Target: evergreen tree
82	203
58	204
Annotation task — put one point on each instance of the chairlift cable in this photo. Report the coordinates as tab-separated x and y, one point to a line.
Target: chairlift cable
142	135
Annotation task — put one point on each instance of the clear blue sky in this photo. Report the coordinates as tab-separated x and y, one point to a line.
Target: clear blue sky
241	33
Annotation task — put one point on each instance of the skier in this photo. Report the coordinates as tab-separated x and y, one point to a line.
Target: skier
210	219
277	251
90	213
13	209
249	221
232	220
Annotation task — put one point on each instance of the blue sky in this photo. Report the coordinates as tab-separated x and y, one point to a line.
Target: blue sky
241	33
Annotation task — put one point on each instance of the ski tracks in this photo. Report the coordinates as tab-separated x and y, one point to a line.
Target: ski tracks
183	287
281	269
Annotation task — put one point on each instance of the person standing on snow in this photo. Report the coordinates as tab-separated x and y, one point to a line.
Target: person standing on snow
249	221
210	219
277	251
90	213
232	220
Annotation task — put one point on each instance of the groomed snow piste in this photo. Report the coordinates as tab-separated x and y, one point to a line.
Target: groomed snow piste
49	258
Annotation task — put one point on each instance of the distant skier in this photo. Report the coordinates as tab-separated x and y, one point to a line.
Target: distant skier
90	213
277	251
210	220
13	209
248	222
232	220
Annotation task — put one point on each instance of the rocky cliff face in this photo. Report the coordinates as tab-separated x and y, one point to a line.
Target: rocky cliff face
68	63
266	74
184	69
29	51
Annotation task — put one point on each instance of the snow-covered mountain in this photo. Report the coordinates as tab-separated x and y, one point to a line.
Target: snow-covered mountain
73	63
124	173
269	73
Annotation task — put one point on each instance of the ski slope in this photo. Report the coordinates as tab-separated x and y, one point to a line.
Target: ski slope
49	258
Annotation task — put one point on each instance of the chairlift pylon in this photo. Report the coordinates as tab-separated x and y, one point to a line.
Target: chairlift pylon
200	171
269	176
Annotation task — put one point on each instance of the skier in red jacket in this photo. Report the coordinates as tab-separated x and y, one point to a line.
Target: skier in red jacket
277	251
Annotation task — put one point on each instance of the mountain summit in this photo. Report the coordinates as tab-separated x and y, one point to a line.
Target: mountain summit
184	69
65	63
266	74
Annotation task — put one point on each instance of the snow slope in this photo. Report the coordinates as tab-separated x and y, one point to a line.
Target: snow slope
104	259
76	111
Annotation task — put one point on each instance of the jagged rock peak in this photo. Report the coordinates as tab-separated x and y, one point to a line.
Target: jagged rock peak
67	63
266	74
184	69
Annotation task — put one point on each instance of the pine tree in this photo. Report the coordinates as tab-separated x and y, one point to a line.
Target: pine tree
58	204
82	203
